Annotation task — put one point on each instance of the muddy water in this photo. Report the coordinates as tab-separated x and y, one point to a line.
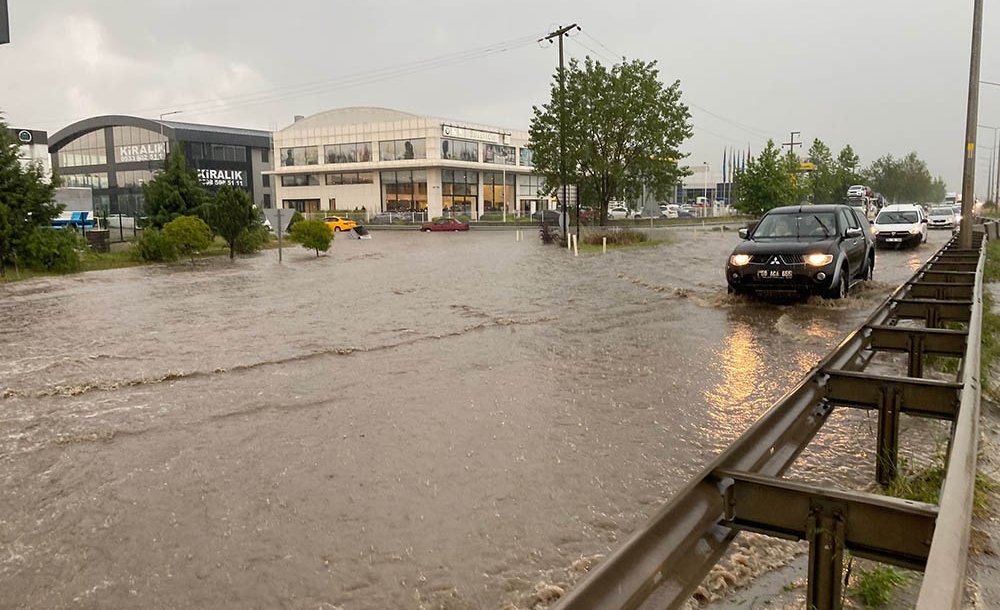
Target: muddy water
415	421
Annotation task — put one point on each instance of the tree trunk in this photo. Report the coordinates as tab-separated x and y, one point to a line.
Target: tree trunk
232	252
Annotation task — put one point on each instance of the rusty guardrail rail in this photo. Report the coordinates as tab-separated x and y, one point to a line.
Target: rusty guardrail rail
665	559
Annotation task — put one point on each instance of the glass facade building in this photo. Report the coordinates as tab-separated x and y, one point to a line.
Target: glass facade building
382	160
116	155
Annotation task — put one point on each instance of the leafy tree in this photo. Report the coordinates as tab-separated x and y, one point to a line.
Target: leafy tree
822	183
252	240
623	128
189	235
847	172
905	180
231	213
312	234
176	191
766	182
26	199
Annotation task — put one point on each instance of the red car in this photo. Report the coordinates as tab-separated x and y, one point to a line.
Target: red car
445	224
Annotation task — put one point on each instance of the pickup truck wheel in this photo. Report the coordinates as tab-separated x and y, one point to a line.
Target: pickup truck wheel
841	289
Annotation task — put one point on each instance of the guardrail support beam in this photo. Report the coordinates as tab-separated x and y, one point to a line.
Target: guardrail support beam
825	532
888	435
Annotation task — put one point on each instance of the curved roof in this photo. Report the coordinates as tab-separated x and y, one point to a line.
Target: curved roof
353	115
189	132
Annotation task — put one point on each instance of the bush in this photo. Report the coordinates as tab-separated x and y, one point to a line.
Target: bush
875	586
48	249
189	234
616	236
312	234
463	218
296	217
153	246
252	240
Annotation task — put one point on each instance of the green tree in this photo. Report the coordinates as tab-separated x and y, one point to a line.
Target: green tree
188	234
312	234
176	191
822	183
623	129
767	182
26	199
230	214
905	180
847	172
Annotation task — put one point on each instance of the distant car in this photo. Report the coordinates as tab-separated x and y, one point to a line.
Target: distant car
444	224
617	213
858	190
942	217
900	225
338	224
669	210
686	211
804	249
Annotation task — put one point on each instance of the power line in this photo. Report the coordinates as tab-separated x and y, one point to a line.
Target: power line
590	36
592	50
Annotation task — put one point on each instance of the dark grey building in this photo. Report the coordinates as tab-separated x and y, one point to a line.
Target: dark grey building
115	155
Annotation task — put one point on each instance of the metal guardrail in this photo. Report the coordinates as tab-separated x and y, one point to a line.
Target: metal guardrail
665	559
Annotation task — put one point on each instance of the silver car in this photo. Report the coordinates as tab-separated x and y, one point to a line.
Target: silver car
942	217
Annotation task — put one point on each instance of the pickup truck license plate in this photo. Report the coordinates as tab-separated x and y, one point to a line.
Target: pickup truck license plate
775	274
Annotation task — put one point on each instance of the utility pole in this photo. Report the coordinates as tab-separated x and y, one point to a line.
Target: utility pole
791	143
560	33
972	115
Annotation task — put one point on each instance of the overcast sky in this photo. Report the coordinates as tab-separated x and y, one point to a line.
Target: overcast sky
886	76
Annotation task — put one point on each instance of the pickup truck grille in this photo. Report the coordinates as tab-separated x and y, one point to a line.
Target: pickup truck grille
782	259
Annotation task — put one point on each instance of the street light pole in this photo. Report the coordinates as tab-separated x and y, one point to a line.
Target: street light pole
704	211
991	194
972	114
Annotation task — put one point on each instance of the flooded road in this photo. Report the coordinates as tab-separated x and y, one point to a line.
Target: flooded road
415	421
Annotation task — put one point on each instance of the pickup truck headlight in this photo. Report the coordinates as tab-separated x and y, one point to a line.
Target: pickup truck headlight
819	260
738	260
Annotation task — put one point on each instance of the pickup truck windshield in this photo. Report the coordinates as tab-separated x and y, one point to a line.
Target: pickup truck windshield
796	226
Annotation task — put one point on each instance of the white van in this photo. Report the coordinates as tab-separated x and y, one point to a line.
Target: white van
900	225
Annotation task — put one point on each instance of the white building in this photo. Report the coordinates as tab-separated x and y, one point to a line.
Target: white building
383	160
34	148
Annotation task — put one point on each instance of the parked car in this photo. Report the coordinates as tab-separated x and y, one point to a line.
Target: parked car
806	249
617	213
338	223
900	225
444	224
942	217
669	210
686	211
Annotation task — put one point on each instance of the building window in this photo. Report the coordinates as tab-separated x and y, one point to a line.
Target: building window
503	155
135	144
459	150
359	152
494	194
88	149
265	155
97	180
530	186
225	152
133	178
266	180
350	178
459	192
299	155
267	201
300	180
301	205
527	157
395	150
404	191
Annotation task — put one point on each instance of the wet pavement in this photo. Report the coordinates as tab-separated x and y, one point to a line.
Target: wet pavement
414	421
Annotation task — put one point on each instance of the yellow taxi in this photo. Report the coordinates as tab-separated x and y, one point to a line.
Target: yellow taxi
336	223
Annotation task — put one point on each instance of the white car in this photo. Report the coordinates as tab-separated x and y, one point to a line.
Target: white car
900	225
942	217
617	213
669	210
857	190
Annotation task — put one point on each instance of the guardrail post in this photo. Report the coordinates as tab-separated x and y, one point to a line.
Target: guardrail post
825	532
915	367
889	405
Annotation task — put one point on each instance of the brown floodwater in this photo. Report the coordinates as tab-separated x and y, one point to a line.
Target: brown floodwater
414	421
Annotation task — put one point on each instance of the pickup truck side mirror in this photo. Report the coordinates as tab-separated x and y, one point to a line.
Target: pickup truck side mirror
853	232
744	233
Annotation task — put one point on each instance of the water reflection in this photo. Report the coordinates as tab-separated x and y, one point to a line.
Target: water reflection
732	404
